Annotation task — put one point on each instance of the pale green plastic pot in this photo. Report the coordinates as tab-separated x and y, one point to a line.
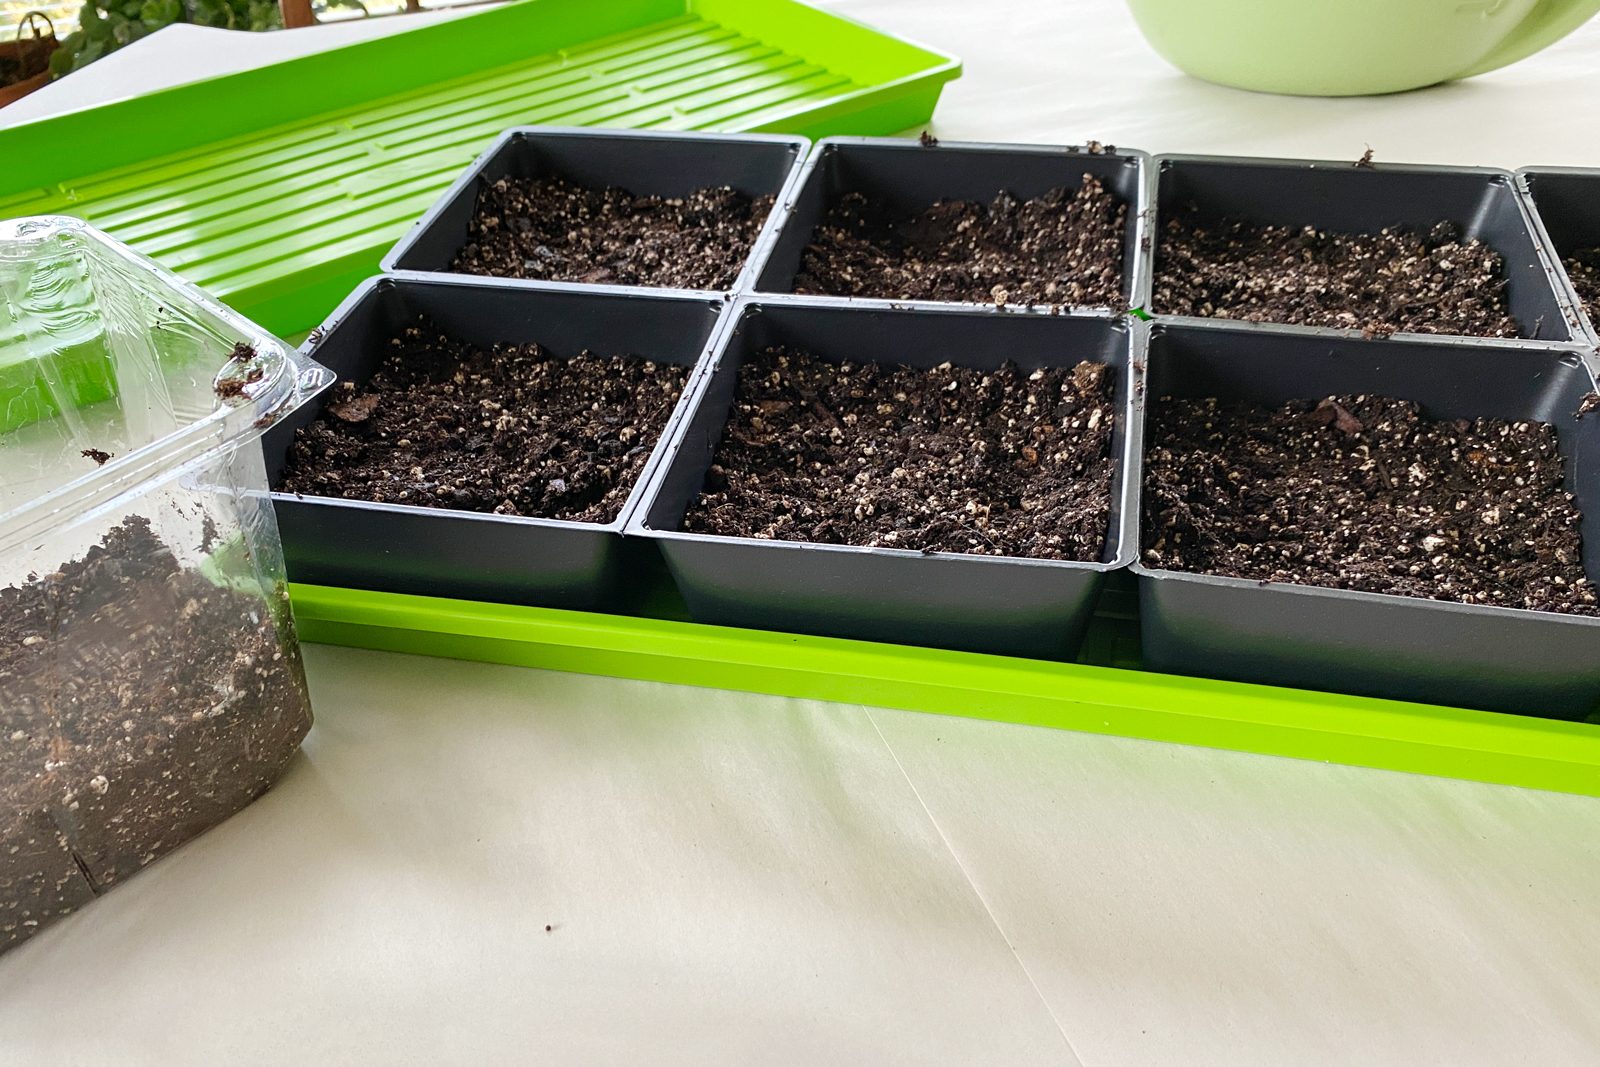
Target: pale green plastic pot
1351	47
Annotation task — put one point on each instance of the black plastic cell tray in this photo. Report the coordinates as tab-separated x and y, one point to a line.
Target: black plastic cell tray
1010	606
912	178
1566	202
1342	197
441	552
1405	648
642	162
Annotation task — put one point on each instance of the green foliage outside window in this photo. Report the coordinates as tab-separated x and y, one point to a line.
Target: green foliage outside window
106	25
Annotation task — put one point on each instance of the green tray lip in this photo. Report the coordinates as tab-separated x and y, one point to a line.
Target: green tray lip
1445	742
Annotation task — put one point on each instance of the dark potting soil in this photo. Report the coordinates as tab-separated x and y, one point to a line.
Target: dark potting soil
142	705
1385	282
1583	267
1365	493
1005	462
553	230
12	72
510	430
1062	248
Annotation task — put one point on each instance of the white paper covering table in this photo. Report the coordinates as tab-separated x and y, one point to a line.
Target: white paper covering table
738	879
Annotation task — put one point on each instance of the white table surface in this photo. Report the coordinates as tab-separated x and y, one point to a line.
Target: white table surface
739	879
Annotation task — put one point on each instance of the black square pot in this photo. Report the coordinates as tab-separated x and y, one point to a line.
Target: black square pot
442	552
1566	203
1342	197
912	178
643	162
1003	605
1405	648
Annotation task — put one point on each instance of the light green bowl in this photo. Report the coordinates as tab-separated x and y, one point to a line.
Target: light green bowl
1351	47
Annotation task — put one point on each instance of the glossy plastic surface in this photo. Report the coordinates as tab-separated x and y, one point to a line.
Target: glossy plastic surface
150	681
1351	47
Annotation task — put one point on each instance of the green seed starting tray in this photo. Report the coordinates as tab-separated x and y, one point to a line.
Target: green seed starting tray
279	189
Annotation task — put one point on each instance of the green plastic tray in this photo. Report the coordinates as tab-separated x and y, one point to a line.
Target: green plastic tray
1448	742
279	189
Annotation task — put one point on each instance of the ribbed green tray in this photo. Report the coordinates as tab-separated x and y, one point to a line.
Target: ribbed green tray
279	189
1448	742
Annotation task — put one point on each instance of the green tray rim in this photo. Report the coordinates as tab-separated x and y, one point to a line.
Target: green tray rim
1392	735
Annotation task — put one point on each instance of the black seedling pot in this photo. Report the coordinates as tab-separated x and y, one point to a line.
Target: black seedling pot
1405	648
1003	605
439	552
1566	203
911	178
1344	198
642	162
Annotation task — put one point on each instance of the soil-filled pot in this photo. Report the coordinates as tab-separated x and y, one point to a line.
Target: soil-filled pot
1378	248
896	219
944	597
1567	212
609	207
1537	662
445	550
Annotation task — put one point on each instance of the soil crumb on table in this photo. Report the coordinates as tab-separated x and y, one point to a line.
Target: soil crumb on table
1391	281
1365	493
142	705
1583	267
1064	247
510	429
1006	462
552	230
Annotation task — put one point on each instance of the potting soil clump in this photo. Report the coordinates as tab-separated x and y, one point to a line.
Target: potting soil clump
1583	267
142	704
1386	282
553	230
510	429
1062	248
1365	493
1008	462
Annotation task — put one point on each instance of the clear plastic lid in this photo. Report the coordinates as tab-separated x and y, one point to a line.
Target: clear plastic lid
115	372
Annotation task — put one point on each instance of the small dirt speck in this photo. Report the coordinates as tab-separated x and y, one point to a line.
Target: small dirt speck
232	388
355	408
